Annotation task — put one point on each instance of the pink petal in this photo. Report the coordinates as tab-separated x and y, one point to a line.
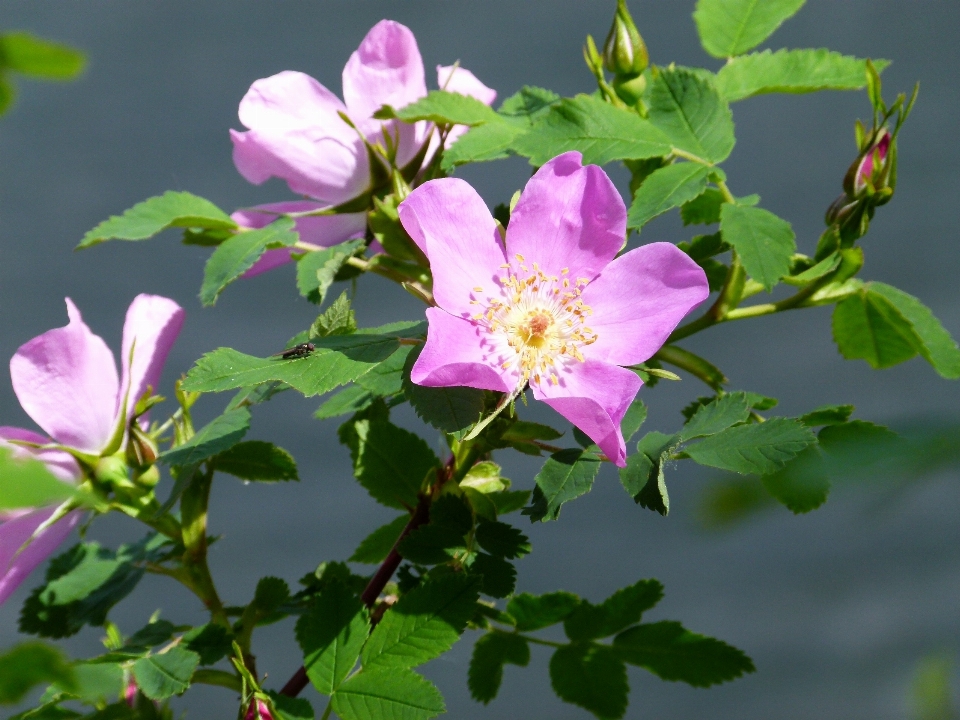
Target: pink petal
319	230
594	396
66	380
639	299
296	134
450	222
58	462
458	80
456	353
14	568
154	323
568	217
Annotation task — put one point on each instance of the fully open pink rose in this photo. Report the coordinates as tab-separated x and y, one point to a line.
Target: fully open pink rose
67	381
555	308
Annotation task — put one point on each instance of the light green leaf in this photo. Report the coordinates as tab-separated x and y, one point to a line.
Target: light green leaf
424	624
591	676
444	107
686	107
146	219
235	256
374	548
490	654
28	484
717	415
386	378
633	419
97	682
317	269
491	141
331	633
30	55
533	612
759	448
217	436
29	664
337	319
665	189
387	694
867	326
731	27
791	71
764	242
625	607
566	475
672	652
259	461
827	415
167	674
600	131
346	402
824	267
529	103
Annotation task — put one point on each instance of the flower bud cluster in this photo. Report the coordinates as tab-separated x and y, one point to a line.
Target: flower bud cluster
868	183
625	55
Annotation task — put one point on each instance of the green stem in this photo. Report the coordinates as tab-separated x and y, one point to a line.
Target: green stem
326	713
193	511
534	640
693	364
219	678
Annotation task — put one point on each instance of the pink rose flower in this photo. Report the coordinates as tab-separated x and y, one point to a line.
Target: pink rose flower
67	381
556	308
295	132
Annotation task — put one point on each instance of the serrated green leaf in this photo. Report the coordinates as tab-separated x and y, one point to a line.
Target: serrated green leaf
529	103
801	486
447	108
716	416
424	624
502	540
625	607
211	642
146	219
217	436
387	694
498	578
791	71
28	484
29	664
686	107
490	654
764	242
450	409
509	501
331	633
346	402
97	682
235	256
167	674
731	27
492	141
291	708
827	415
703	209
374	548
665	189
316	270
591	676
271	593
672	652
259	461
565	476
533	612
34	56
758	449
386	378
600	131
867	326
337	319
444	536
643	476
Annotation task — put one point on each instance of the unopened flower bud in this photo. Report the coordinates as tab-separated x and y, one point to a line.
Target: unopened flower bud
130	693
624	52
258	710
112	470
142	450
870	172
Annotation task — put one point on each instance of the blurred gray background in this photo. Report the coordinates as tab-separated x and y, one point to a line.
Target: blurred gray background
835	607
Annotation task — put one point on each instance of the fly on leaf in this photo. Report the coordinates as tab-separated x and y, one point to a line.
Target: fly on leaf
297	351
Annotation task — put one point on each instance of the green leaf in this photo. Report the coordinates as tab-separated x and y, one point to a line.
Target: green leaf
211	642
97	682
29	664
374	548
686	107
509	501
386	378
764	242
625	607
718	415
565	475
336	360
316	270
337	319
30	55
443	537
643	476
502	540
492	141
759	448
390	462
217	436
271	593
791	71
451	409
146	219
529	103
424	624
801	486
387	694
258	460
498	577
591	676
167	674
633	419
490	654
8	92
731	27
665	189
446	108
703	209
600	131
331	633
485	477
533	612
346	402
815	272
291	708
28	484
672	652
235	256
867	326
827	415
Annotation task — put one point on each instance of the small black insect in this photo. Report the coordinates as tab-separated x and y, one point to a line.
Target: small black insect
297	351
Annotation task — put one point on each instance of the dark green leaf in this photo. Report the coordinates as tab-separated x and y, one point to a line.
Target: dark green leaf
764	242
317	269
271	593
625	607
759	449
718	415
257	460
217	436
703	209
346	402
827	415
687	109
443	537
532	612
643	476
424	624
235	256
802	485
211	642
291	708
331	633
498	577
665	189
490	654
374	548
451	409
522	431
387	694
28	484
591	676
731	27
167	674
446	108
867	326
565	476
502	540
674	653
29	664
509	501
146	219
30	55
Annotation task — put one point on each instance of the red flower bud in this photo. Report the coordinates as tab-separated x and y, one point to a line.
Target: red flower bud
258	710
870	172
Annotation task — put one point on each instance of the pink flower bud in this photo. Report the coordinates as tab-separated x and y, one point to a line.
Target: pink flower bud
258	710
871	170
130	693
